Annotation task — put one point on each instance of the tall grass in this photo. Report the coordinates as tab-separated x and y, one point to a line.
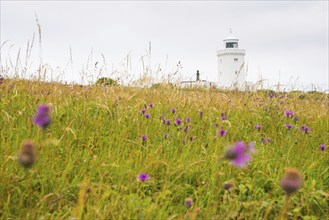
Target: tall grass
91	154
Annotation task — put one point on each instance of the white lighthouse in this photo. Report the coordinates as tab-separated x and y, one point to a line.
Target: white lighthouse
231	64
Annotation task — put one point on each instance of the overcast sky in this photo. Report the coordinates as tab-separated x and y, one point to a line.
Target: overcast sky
284	41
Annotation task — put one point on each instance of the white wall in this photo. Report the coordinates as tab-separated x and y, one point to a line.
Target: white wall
231	73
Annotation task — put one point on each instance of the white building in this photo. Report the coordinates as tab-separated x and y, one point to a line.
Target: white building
231	64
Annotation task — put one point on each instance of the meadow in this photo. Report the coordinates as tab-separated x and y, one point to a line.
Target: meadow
116	152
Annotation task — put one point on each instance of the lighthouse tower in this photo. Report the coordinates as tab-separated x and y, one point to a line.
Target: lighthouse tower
231	64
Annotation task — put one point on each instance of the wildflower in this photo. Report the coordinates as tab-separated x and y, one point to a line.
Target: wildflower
291	181
258	127
166	136
200	113
144	138
143	111
296	119
187	120
289	113
322	147
223	117
228	185
222	132
186	129
143	177
272	94
42	117
191	138
173	110
264	140
147	115
188	202
178	121
305	129
239	154
289	126
150	105
167	122
27	155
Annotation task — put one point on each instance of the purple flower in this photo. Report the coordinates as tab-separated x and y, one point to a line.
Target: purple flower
187	120
272	95
143	177
239	154
143	111
186	129
289	113
191	138
147	115
305	129
296	119
200	113
178	121
322	147
167	122
144	138
222	132
150	105
173	110
289	126
42	117
188	202
258	127
223	117
264	140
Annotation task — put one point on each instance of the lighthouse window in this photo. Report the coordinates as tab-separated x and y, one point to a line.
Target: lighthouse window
235	59
231	45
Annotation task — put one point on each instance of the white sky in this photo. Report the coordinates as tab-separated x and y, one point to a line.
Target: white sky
286	41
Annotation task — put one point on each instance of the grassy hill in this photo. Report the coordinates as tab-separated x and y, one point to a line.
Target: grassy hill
89	158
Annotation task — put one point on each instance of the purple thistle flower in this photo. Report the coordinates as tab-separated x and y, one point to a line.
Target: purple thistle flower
238	154
322	147
200	113
289	113
223	117
258	127
264	140
42	118
306	129
147	115
289	126
222	132
187	120
178	121
186	129
268	139
272	95
143	111
150	105
143	177
167	122
173	110
296	119
191	138
144	138
188	202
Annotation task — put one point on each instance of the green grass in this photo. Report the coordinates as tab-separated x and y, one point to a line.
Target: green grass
91	154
